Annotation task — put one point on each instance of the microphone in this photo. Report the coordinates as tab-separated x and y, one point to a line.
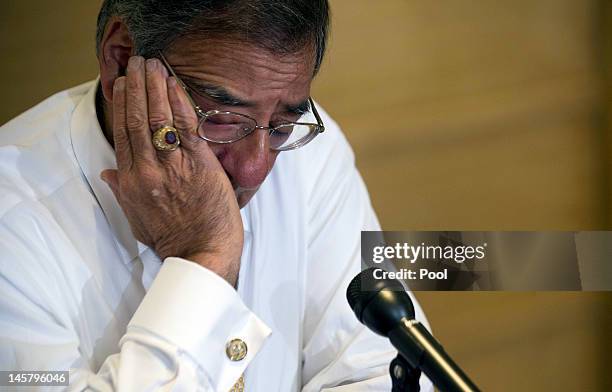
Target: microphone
383	306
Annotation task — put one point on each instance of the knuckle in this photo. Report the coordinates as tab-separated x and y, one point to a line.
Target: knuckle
134	82
183	120
154	89
136	121
158	120
135	94
122	150
120	132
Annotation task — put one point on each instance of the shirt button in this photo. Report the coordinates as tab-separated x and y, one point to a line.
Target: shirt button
236	350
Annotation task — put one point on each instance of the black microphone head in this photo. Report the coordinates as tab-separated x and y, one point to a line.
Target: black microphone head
380	304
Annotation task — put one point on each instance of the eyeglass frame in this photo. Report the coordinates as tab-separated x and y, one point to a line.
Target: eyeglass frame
316	128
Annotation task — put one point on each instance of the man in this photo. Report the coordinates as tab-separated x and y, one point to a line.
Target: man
153	236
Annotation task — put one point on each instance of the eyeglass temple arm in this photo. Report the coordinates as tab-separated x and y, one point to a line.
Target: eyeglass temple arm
316	114
180	82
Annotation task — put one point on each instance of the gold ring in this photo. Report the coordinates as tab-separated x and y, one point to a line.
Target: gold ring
166	139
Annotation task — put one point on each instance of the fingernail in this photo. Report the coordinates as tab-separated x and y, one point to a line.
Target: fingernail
119	84
164	71
171	82
134	63
151	65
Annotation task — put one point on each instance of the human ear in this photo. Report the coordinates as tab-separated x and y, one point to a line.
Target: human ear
116	47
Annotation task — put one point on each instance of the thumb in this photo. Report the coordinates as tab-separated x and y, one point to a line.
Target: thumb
110	177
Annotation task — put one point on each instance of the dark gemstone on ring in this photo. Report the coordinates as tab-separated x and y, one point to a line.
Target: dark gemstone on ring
170	137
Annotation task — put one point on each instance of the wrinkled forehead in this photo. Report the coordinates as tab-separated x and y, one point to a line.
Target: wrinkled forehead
247	70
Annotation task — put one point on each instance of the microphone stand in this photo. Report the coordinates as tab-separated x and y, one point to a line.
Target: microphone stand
404	378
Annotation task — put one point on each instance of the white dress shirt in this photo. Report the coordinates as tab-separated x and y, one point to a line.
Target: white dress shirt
79	293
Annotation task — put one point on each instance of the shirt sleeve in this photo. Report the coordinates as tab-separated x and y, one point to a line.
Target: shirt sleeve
176	339
339	353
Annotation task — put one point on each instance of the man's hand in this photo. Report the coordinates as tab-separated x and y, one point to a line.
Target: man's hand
180	203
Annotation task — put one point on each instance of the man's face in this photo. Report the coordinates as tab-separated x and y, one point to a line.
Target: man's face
242	78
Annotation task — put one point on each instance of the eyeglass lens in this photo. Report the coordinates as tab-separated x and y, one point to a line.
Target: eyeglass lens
227	127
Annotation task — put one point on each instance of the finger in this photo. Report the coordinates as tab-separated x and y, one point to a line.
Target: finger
185	119
109	176
136	117
160	113
123	149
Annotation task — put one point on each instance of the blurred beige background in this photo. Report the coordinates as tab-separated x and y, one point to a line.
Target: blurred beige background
463	115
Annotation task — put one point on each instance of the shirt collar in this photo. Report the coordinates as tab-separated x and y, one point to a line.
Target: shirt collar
94	154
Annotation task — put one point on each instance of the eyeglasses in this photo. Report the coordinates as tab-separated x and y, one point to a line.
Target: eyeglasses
225	127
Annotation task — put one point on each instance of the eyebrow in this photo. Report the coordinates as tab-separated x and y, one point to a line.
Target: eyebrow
217	93
300	109
223	97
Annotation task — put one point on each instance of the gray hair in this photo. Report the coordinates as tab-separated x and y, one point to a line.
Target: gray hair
279	26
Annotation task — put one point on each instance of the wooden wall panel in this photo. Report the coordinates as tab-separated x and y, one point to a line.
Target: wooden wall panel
606	41
526	341
481	116
46	47
528	177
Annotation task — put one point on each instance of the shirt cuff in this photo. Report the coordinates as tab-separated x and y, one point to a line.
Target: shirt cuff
197	310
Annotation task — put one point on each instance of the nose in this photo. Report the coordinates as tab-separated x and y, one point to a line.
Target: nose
249	160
